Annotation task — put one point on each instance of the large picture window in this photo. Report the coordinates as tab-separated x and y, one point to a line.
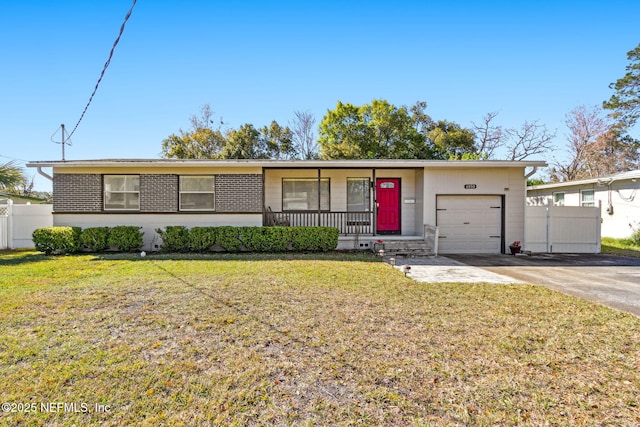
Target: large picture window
197	193
122	192
301	194
358	195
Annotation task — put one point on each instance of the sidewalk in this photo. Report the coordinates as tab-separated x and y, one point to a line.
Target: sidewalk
441	269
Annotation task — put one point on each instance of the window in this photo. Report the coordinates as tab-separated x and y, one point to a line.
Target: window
358	195
197	193
587	198
558	199
122	192
301	194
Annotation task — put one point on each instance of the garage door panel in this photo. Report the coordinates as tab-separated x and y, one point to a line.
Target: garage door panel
469	224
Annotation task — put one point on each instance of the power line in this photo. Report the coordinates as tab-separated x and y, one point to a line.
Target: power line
104	69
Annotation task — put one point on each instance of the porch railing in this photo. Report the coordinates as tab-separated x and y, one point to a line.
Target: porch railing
346	222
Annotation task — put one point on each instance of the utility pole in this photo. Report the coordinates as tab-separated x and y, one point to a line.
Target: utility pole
62	126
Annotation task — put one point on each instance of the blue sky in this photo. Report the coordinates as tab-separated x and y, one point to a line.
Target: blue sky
254	62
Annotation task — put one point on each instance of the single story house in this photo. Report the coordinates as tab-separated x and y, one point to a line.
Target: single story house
477	206
616	194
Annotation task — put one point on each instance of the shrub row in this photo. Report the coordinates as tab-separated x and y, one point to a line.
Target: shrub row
69	240
251	239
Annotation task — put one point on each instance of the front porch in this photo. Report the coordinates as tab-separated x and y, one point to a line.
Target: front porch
359	201
348	223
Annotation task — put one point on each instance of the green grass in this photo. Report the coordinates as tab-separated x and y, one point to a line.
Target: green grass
302	340
620	247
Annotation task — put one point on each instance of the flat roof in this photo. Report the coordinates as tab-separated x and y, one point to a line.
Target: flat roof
603	180
287	163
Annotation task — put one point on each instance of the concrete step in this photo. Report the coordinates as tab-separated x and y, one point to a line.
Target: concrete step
405	248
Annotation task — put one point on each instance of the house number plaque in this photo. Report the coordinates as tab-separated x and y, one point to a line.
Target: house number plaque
470	186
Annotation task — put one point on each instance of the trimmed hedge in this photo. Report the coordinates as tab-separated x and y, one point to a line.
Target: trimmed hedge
314	238
96	239
228	238
125	238
251	239
175	238
57	240
202	239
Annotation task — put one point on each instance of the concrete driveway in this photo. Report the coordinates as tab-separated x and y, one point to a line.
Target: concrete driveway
611	280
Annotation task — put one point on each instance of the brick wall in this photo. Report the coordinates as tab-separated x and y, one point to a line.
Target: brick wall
239	193
77	193
158	193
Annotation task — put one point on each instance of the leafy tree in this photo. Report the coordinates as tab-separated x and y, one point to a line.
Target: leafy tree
625	102
535	181
11	176
452	141
244	143
343	133
247	142
279	141
378	130
201	142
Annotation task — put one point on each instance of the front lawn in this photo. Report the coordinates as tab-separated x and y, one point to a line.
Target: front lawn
306	340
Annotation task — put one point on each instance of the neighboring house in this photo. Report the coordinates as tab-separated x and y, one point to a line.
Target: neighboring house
616	194
4	197
478	206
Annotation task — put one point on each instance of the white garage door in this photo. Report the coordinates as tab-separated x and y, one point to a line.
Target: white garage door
469	224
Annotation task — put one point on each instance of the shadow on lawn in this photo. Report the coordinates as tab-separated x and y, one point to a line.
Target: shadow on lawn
244	256
19	257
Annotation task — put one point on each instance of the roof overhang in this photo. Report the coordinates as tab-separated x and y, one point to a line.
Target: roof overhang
603	180
288	163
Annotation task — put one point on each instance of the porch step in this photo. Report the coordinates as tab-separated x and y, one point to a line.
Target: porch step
406	248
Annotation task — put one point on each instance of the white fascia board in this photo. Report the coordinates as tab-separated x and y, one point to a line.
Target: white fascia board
289	163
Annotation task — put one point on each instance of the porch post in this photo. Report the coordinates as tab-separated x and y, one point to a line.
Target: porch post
319	192
374	187
264	201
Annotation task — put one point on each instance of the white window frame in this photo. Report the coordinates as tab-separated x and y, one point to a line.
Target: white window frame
557	202
325	199
126	192
590	203
212	192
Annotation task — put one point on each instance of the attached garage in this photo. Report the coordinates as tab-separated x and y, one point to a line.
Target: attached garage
470	224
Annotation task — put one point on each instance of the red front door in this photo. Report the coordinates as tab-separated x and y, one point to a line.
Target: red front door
388	199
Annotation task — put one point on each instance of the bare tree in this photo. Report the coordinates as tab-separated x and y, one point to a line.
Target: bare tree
528	140
304	140
490	137
594	147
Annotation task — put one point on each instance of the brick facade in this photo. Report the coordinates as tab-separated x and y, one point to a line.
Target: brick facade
158	193
77	193
239	193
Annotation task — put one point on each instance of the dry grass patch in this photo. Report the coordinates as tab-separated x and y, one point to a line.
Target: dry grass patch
259	340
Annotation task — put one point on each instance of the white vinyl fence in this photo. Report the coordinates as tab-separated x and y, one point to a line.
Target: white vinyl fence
17	223
562	229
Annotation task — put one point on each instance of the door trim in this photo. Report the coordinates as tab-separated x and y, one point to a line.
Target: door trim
399	230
